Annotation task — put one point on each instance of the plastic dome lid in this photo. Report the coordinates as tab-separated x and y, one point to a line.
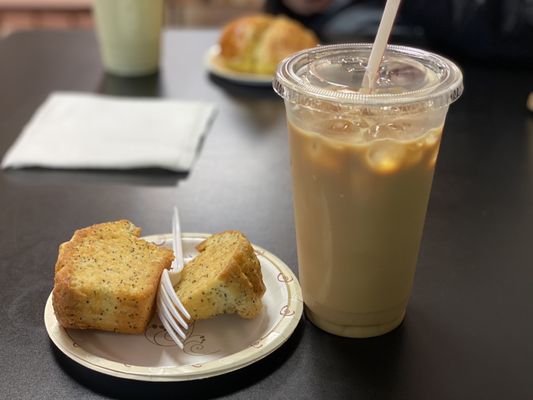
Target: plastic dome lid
408	78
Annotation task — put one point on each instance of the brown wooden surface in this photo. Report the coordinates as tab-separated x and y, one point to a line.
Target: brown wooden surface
468	328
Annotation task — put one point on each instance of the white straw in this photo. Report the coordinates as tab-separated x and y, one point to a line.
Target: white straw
380	42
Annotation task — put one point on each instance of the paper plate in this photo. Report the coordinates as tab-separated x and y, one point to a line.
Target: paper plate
213	347
216	67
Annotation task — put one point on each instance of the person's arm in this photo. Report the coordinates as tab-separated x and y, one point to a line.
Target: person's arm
312	13
299	8
496	30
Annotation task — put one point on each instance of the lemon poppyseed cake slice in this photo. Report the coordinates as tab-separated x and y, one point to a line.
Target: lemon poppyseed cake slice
224	278
107	278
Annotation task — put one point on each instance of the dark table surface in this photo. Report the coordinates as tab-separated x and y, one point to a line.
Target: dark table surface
469	326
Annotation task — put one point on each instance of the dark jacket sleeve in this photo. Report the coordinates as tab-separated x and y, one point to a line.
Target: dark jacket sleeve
495	30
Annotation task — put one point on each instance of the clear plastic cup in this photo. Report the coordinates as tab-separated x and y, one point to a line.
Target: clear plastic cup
129	34
362	168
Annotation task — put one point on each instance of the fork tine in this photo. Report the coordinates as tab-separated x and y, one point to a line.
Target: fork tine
165	298
171	333
168	318
164	321
165	280
168	303
174	328
169	330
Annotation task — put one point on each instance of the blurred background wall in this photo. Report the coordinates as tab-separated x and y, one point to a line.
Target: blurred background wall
18	15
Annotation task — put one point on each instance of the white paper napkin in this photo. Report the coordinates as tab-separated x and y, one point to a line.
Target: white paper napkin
81	130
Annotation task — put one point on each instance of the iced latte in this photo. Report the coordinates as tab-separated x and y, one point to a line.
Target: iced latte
362	167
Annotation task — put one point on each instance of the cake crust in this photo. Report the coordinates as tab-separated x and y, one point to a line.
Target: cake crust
106	278
224	278
257	43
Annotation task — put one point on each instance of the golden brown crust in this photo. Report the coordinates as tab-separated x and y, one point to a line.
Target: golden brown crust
106	278
238	39
224	278
256	44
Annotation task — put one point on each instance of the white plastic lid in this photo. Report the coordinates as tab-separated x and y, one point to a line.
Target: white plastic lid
408	79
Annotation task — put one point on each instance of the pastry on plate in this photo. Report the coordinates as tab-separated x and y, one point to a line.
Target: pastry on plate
256	44
106	278
225	278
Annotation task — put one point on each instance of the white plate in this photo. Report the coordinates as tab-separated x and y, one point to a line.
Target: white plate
213	347
216	67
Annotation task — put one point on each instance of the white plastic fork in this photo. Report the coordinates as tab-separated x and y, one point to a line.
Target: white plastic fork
171	311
